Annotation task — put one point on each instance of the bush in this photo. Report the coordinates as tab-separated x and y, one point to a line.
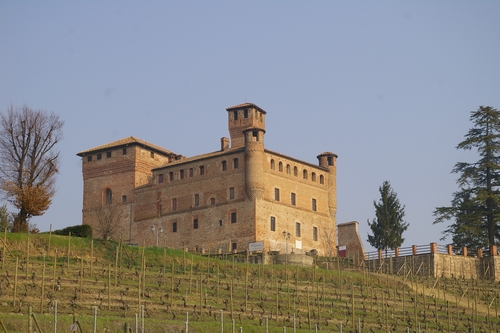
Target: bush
83	230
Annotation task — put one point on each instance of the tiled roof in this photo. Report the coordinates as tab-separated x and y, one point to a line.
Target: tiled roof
245	105
126	141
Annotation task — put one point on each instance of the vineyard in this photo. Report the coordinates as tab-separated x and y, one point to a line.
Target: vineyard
54	283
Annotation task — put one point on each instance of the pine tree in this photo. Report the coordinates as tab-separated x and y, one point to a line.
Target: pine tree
388	226
476	206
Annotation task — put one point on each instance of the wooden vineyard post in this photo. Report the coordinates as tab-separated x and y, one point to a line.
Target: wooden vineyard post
277	300
218	282
246	284
69	249
201	291
109	286
191	274
172	284
352	307
27	255
231	296
54	272
15	282
91	256
50	236
43	289
308	308
4	247
81	277
116	264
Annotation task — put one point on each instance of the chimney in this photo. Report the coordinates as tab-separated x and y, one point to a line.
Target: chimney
224	143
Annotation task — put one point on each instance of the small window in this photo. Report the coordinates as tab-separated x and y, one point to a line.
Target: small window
191	172
109	197
171	176
277	194
261	116
235	115
224	165
313	176
321	179
272	165
124	198
233	246
202	170
152	154
313	204
297	229
181	174
235	163
273	223
174	204
231	193
195	223
255	134
89	158
292	199
108	154
304	174
212	201
245	113
288	168
99	156
174	227
160	178
233	217
295	171
280	167
315	233
124	151
330	160
196	200
220	223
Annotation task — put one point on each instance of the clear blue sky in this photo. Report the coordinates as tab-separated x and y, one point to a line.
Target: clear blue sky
386	85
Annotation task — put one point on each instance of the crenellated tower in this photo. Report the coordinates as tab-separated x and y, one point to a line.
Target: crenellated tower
242	117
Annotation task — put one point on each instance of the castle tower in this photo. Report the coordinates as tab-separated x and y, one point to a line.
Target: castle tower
242	117
254	162
329	160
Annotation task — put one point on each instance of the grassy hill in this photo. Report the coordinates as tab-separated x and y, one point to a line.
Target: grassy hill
124	287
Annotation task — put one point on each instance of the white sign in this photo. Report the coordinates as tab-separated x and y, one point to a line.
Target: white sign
298	244
257	246
342	248
73	328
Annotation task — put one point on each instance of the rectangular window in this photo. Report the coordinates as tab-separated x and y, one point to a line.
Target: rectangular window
235	163
196	200
108	154
171	176
273	223
181	174
297	229
231	193
89	158
195	223
124	198
174	204
315	233
212	201
160	178
124	151
245	113
292	199
277	194
233	246
235	115
224	165
233	217
191	172
202	170
174	227
220	223
152	154
313	204
99	156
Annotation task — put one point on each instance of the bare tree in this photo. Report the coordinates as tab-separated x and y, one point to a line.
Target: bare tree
28	161
328	240
108	219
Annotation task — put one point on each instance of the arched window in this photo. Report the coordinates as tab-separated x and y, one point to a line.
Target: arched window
280	167
191	172
295	171
272	165
313	176
235	163
321	179
288	168
109	197
224	165
304	174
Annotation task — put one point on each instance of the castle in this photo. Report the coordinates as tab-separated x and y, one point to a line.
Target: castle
227	200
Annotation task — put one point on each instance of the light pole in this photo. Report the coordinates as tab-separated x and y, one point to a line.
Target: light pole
160	230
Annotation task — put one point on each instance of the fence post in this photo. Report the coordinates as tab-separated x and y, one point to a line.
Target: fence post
433	247
464	250
413	249
450	249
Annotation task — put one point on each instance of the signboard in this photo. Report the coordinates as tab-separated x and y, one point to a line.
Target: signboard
298	244
342	251
257	246
73	328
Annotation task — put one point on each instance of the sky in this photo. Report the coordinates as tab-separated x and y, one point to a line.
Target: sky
386	85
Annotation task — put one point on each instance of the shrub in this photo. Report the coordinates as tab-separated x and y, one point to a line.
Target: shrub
83	230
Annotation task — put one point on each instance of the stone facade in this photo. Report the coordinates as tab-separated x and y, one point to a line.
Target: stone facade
349	237
219	201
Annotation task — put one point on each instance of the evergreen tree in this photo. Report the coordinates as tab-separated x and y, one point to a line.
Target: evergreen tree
475	208
388	226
